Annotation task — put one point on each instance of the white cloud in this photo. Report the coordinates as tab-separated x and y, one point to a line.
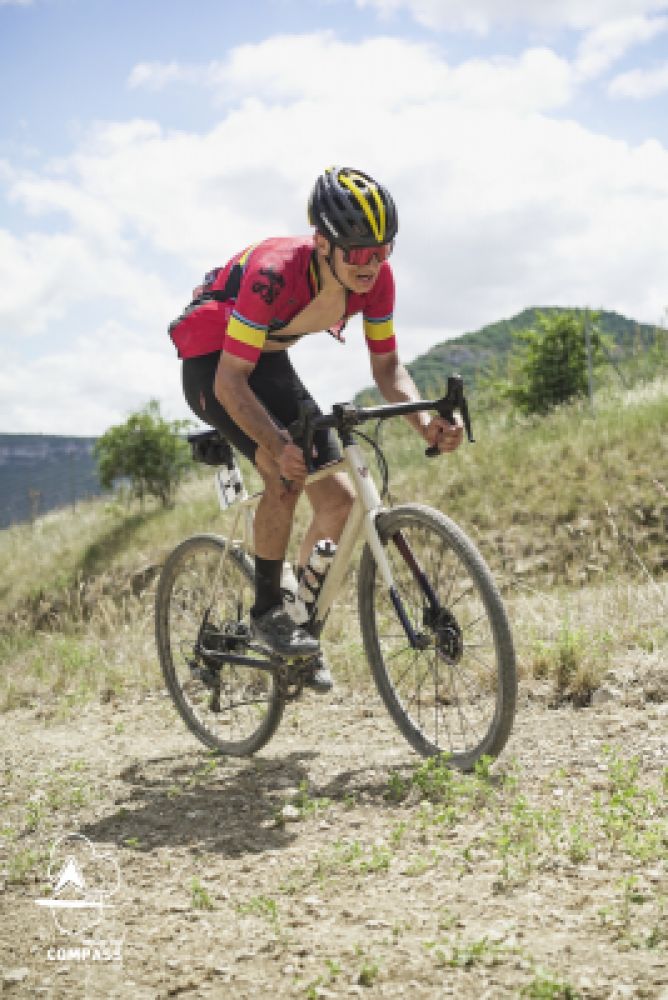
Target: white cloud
480	16
501	207
640	83
608	42
44	276
156	75
86	385
286	69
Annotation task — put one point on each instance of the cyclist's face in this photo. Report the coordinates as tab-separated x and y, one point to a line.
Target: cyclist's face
358	278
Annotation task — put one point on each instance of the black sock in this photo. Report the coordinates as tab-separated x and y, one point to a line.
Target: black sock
267	585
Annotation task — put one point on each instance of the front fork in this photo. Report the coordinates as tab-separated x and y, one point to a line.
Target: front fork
417	640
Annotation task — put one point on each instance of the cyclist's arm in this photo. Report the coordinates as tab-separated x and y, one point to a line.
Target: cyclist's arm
236	396
396	386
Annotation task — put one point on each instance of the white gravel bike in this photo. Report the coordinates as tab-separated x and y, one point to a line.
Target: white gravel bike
434	628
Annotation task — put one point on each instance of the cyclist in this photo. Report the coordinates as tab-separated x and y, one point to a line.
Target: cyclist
237	377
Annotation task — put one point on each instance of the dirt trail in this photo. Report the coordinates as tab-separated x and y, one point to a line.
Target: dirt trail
367	884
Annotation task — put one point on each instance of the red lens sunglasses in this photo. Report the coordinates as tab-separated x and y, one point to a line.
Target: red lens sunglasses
361	256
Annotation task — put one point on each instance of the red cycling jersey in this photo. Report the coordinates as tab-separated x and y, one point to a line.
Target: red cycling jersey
241	305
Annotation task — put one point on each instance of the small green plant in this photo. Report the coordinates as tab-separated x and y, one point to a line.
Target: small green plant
466	955
397	789
34	814
262	906
313	991
397	832
200	898
333	969
568	658
435	779
21	865
573	661
545	987
204	771
378	861
420	863
369	973
307	805
579	845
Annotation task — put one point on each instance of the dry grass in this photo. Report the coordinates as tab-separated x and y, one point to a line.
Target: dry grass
575	499
577	639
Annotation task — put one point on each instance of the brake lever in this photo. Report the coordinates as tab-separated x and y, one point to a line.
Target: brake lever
453	400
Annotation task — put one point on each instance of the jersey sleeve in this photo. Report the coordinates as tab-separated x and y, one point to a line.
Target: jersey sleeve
378	314
253	310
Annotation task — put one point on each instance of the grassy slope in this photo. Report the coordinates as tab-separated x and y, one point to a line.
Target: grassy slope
546	501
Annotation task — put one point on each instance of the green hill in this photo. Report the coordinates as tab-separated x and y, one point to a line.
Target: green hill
486	351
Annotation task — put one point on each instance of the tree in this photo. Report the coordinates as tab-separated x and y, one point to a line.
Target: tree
148	451
550	363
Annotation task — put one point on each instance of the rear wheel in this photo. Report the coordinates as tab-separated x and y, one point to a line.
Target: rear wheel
456	692
203	599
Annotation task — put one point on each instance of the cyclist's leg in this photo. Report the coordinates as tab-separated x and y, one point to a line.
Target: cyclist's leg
331	500
198	376
275	512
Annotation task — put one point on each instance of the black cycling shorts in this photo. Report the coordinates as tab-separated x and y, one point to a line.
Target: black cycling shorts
275	383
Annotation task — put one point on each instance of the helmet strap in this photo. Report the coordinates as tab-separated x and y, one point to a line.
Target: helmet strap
329	260
332	266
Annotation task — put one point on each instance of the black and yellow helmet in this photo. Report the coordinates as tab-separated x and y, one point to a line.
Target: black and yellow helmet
352	209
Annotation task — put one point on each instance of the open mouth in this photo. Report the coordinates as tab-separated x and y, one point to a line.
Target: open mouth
365	277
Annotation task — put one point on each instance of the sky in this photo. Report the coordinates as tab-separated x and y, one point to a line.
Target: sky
144	142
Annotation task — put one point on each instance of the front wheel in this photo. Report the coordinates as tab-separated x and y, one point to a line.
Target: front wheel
454	691
202	606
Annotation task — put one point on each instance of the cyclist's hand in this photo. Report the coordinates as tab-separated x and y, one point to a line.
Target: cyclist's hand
291	466
444	435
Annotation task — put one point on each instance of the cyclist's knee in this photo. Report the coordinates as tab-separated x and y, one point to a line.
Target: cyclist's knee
267	466
333	497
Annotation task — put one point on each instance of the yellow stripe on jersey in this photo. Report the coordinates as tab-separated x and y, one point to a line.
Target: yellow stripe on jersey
254	335
382	330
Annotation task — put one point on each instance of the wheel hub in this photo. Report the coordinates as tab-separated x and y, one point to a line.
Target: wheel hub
445	629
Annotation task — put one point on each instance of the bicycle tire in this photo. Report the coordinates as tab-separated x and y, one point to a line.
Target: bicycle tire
184	595
462	581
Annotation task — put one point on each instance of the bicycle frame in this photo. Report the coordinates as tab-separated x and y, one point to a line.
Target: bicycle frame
361	521
366	506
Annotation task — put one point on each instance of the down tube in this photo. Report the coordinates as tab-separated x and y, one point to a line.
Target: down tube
341	561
